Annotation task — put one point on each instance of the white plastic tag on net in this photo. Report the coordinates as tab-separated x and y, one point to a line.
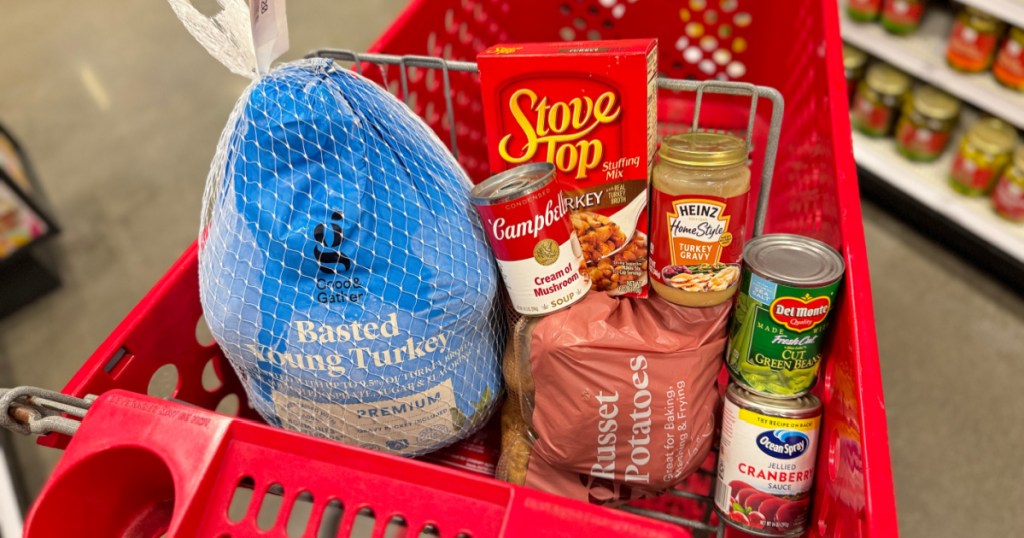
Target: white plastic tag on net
269	31
342	268
246	39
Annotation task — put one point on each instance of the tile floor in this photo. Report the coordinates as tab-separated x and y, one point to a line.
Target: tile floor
121	109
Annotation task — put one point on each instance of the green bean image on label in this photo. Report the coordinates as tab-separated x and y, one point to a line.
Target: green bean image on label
775	342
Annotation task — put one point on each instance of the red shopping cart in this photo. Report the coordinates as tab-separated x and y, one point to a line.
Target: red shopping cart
142	466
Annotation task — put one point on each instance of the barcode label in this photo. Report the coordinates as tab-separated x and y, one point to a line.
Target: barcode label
722	495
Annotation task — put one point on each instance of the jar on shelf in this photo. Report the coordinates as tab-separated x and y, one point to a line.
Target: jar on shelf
854	63
929	118
698	217
973	41
1008	196
983	155
878	99
902	17
1009	66
863	10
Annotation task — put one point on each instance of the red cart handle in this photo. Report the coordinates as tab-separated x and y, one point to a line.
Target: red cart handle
140	466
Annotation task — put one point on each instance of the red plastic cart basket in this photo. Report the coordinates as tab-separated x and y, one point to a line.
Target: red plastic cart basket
142	466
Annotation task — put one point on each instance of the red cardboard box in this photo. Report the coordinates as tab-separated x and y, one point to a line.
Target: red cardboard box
588	107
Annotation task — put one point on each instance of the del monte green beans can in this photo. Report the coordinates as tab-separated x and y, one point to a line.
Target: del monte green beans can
787	292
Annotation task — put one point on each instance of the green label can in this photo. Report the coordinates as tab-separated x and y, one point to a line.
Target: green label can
787	292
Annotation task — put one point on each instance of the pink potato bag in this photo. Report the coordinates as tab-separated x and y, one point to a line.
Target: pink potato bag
624	397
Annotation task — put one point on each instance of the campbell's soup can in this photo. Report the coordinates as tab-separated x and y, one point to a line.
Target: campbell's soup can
766	462
533	239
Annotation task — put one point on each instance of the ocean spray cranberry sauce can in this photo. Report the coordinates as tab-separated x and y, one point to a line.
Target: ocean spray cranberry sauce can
538	253
766	462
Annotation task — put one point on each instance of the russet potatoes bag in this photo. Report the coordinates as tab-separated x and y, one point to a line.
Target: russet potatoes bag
618	397
342	268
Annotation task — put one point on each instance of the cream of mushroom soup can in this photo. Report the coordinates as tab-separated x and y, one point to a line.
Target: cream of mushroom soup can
766	462
534	242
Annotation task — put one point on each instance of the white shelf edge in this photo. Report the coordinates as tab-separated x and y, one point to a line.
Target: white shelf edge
926	183
1009	11
922	55
10	513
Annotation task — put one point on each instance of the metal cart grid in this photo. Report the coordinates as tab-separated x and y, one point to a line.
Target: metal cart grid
795	50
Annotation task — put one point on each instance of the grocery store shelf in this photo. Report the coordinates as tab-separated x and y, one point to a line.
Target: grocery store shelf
1011	11
926	184
922	55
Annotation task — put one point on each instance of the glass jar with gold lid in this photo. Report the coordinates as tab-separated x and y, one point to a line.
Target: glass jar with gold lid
973	41
1008	196
902	17
698	217
984	153
929	117
854	63
863	10
878	99
1009	65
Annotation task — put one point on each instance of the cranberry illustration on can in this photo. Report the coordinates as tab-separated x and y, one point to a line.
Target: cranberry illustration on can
766	462
534	242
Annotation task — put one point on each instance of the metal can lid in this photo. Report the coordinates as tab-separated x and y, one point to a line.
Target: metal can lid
1018	158
992	135
512	184
793	260
804	406
703	149
935	103
886	79
853	58
7	206
981	20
